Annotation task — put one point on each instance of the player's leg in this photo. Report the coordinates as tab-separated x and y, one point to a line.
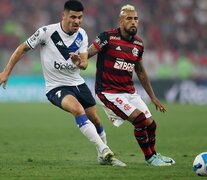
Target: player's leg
151	126
71	104
91	113
64	97
139	120
85	97
122	107
87	100
95	119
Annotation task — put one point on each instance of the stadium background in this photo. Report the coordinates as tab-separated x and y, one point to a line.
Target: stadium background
173	31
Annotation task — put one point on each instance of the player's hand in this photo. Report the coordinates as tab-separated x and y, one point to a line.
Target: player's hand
75	58
159	106
3	79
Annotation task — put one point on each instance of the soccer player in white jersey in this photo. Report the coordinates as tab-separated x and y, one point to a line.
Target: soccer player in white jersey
63	49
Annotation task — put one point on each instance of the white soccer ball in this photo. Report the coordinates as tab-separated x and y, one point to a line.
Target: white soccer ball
200	164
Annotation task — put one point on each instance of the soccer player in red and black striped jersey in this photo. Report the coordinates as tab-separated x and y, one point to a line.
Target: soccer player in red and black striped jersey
120	53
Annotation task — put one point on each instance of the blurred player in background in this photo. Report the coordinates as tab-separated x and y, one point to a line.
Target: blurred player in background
63	49
119	54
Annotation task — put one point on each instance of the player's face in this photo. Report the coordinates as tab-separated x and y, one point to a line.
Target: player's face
129	22
72	21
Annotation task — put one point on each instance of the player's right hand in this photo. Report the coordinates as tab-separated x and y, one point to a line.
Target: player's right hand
3	79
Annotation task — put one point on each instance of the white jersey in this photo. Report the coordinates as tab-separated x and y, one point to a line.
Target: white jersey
55	46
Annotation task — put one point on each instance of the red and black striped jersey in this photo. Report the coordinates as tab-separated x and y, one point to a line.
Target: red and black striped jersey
116	61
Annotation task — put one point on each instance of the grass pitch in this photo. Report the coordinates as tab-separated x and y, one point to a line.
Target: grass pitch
40	141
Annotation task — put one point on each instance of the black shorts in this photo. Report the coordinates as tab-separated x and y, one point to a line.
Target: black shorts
81	93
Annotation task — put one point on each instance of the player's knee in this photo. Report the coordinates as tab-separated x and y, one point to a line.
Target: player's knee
77	111
140	120
134	115
152	126
150	121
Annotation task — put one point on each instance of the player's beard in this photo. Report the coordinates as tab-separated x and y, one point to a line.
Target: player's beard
132	31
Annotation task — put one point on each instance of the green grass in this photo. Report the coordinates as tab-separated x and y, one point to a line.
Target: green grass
40	141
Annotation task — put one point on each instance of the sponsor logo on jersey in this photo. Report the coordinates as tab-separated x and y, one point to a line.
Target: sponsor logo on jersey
114	37
60	43
127	107
124	65
78	42
64	66
135	51
138	43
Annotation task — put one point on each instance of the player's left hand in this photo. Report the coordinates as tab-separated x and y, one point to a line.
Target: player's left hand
75	58
159	106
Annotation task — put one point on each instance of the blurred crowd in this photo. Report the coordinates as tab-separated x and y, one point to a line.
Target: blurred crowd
174	31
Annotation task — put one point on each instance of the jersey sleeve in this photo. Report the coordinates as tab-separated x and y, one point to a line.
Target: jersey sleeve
140	54
84	46
101	41
37	38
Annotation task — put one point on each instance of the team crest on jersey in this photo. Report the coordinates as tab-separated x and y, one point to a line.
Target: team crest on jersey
78	42
135	51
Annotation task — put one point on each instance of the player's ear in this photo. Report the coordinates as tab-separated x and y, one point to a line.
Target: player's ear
120	20
64	14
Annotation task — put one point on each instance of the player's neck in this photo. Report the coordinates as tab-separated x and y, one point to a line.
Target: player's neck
125	35
65	29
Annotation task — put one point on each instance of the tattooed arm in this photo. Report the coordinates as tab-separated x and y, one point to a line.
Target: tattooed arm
92	51
145	82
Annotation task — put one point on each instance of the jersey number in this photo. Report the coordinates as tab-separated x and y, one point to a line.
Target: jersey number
58	93
119	101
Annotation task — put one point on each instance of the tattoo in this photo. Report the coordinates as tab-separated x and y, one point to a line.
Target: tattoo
92	50
139	67
143	78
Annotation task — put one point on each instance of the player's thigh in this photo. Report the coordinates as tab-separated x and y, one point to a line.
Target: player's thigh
137	101
65	98
85	97
71	104
118	103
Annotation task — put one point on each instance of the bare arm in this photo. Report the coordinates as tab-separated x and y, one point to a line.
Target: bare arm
144	80
92	50
15	57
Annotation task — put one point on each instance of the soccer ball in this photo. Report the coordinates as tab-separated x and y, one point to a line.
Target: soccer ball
200	164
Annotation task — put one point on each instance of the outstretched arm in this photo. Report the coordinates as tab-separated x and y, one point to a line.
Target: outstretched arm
92	51
15	57
144	80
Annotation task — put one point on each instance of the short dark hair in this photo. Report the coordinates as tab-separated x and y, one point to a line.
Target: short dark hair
73	5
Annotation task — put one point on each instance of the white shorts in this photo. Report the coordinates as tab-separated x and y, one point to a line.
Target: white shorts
120	106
